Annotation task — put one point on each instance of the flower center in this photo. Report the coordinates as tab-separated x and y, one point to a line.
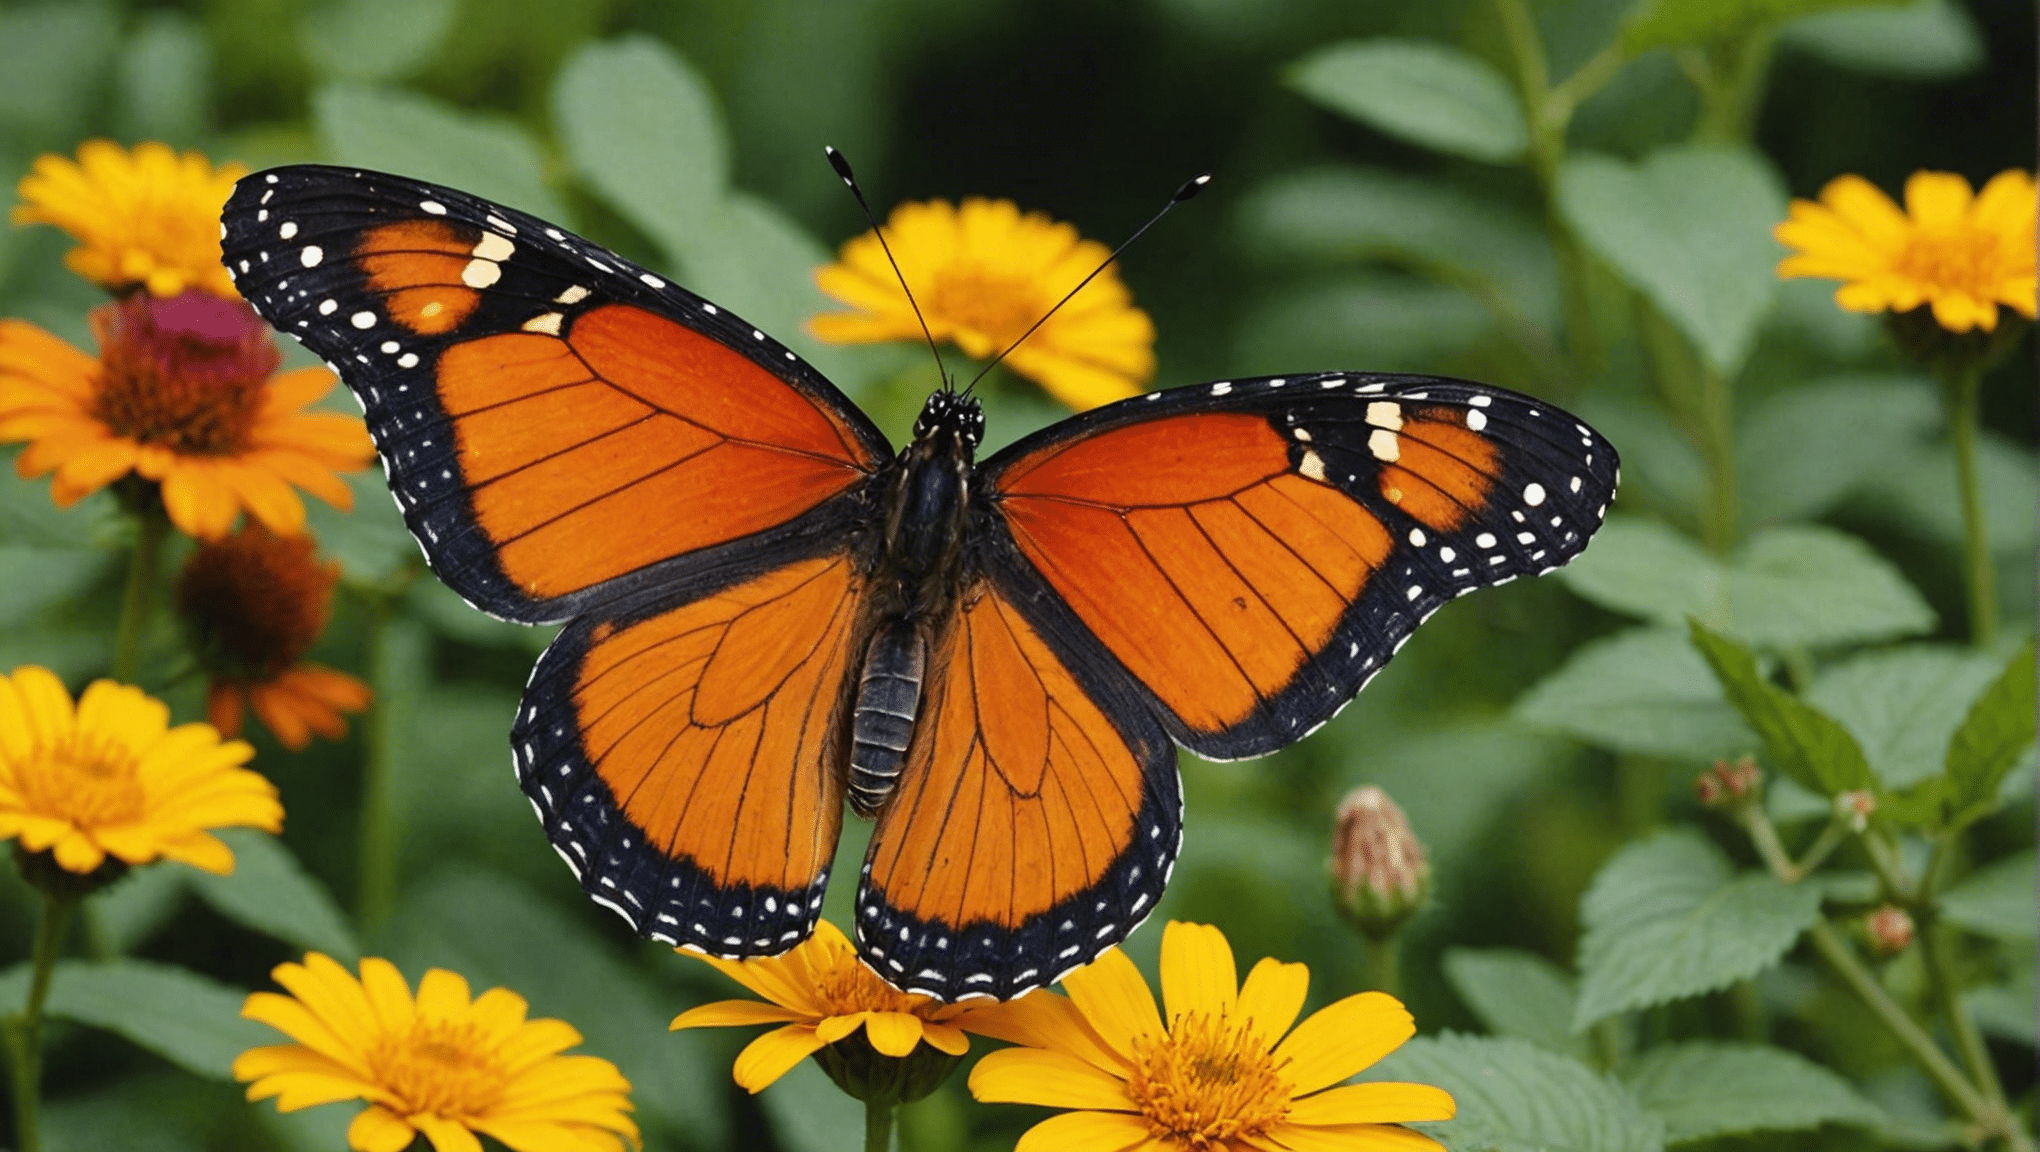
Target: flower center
1209	1081
188	372
439	1067
1967	260
89	779
848	987
999	308
255	602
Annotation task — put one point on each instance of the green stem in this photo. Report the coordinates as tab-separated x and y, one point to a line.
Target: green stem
1948	998
24	1035
377	850
878	1126
137	600
1961	390
1383	963
1717	417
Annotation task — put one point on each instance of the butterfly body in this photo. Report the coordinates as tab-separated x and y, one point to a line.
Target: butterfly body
770	615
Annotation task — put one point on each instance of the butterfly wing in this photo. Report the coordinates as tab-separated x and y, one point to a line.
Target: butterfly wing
1252	552
560	427
1036	821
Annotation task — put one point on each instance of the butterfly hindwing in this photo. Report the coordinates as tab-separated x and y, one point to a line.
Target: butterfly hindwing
542	406
1253	551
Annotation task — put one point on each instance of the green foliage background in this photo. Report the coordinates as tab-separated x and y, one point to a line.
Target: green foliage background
1381	201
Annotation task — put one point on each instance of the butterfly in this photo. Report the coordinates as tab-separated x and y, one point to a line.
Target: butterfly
768	611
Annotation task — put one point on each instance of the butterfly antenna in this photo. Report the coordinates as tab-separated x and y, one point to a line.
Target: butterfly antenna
842	168
1190	188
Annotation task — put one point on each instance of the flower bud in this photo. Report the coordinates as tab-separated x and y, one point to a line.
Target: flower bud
1890	929
1726	783
1856	807
1379	874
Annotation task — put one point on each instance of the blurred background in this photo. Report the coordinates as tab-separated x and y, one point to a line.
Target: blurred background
1338	233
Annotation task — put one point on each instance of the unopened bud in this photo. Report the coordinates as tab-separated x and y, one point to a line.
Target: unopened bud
1856	807
1726	782
1379	874
1890	929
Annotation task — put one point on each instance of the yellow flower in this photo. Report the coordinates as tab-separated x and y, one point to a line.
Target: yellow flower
255	603
821	993
111	777
1218	1075
148	217
1961	255
442	1064
182	394
984	273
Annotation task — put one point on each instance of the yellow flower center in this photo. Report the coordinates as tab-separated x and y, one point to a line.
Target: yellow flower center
1208	1081
89	779
997	307
440	1067
849	987
1966	260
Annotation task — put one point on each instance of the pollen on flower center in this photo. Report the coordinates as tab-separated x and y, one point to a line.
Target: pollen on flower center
1964	259
187	373
87	778
1207	1082
438	1068
998	307
848	987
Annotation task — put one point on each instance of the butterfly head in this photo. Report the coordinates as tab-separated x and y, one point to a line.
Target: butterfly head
951	414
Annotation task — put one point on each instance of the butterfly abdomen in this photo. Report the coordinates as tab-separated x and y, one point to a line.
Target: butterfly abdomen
888	701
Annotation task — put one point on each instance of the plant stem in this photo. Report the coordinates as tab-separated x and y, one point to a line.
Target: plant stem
878	1124
137	600
24	1034
377	849
1383	970
1961	389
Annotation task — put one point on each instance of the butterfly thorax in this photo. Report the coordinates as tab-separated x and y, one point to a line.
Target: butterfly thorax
917	581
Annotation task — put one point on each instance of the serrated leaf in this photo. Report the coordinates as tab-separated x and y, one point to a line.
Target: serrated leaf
1669	918
1996	901
1645	690
1792	586
271	892
397	131
1672	23
1690	227
1799	740
1995	733
1706	1088
1925	40
1801	452
190	1020
1903	705
1424	92
373	40
1518	994
1516	1097
640	126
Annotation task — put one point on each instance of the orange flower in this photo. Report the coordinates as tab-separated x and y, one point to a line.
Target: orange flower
181	394
256	603
148	218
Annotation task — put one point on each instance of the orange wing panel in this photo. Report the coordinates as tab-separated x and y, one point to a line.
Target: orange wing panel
418	264
1164	463
1442	473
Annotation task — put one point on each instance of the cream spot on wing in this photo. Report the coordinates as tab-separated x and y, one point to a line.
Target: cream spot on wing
1385	445
481	273
546	322
1312	466
1385	414
573	294
493	246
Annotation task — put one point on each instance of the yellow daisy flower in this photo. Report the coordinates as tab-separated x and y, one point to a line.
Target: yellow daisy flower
110	777
443	1064
983	273
181	393
255	603
1962	255
147	218
821	993
1217	1074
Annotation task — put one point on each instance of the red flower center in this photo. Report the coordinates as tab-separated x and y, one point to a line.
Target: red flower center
187	372
256	602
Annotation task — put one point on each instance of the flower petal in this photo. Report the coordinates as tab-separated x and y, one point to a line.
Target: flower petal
1197	971
1050	1079
893	1033
1380	1102
447	1135
1272	996
377	1130
1936	199
1115	1000
1085	1132
774	1054
732	1013
1342	1038
1346	1138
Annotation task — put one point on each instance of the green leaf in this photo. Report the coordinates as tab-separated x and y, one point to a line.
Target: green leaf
1668	918
397	131
1925	40
1672	23
53	55
2006	1009
1427	93
1645	690
1996	901
1690	227
1516	1097
1903	705
1800	585
129	912
1799	740
808	1112
1916	490
38	578
642	129
371	542
1391	320
190	1020
160	78
1518	994
1707	1088
373	40
271	892
1997	731
1801	452
1491	763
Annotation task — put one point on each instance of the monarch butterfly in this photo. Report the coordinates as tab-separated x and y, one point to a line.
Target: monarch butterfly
768	611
